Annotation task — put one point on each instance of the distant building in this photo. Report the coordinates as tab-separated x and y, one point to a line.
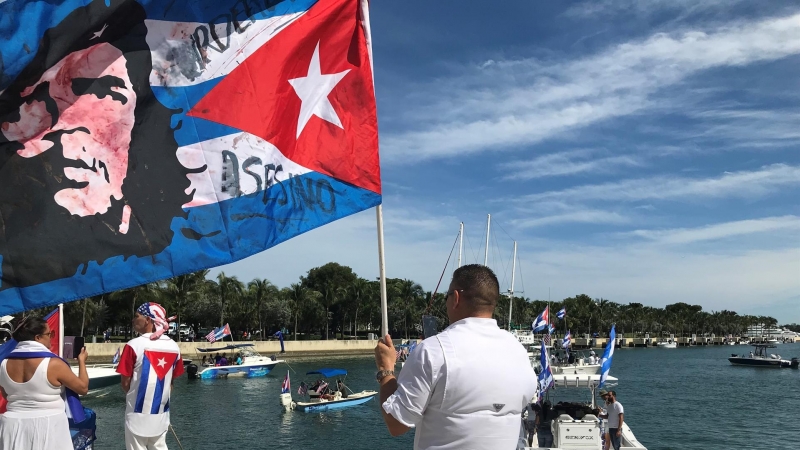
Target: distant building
778	333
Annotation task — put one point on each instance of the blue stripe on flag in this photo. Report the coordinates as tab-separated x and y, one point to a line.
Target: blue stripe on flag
142	390
157	396
232	230
27	20
192	130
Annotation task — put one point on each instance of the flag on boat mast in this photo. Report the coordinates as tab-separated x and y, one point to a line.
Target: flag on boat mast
542	322
286	387
561	314
545	377
605	362
567	340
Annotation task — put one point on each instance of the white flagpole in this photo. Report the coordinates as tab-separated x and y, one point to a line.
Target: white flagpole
61	330
379	208
382	273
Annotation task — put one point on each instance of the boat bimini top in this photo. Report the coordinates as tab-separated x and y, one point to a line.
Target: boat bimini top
227	347
328	373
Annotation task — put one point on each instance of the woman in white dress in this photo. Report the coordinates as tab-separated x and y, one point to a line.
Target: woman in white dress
36	417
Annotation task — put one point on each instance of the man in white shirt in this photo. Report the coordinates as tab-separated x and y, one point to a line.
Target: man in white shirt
148	365
616	417
466	387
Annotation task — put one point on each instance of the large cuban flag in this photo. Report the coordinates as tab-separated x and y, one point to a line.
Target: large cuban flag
152	395
143	139
542	321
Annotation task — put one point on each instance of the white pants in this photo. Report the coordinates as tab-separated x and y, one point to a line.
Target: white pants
134	442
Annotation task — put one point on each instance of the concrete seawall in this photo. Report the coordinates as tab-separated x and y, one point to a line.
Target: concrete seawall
293	348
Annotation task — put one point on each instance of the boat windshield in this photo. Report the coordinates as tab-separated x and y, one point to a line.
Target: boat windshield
249	352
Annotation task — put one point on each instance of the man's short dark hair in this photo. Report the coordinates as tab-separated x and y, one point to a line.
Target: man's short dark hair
479	285
40	240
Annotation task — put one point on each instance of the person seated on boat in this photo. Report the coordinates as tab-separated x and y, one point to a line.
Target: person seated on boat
238	359
216	359
751	354
223	361
571	358
342	388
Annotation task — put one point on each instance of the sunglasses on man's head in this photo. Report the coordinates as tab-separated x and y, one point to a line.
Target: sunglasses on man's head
450	292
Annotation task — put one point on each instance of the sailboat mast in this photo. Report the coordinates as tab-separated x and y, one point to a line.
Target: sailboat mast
486	252
511	296
460	242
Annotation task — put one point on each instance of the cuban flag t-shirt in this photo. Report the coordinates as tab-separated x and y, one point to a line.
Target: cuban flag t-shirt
152	365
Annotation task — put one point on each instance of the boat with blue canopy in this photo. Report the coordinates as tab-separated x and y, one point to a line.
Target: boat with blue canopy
323	396
253	364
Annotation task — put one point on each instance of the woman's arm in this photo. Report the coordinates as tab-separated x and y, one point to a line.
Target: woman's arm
64	375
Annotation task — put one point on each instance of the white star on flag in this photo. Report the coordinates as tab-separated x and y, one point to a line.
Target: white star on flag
162	362
313	90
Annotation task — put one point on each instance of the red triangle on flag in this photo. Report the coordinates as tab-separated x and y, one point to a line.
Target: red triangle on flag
161	362
280	89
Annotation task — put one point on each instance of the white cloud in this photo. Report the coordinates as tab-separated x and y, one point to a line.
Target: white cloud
721	230
525	101
592	216
742	184
565	163
594	8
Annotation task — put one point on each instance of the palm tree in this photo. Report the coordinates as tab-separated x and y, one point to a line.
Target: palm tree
229	289
409	292
259	291
180	290
359	291
300	296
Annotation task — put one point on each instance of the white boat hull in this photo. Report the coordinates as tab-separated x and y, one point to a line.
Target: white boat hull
103	379
667	345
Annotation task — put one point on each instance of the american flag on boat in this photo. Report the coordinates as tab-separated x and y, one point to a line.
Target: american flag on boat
219	334
303	389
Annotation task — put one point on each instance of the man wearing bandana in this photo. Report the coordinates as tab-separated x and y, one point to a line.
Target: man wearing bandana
148	365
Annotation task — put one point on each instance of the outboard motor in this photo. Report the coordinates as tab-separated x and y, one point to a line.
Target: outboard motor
191	371
795	362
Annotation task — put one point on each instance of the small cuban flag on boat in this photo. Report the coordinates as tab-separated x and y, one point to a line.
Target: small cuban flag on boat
542	321
605	362
286	387
116	357
561	314
567	340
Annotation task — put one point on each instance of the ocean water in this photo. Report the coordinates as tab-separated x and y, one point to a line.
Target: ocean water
681	399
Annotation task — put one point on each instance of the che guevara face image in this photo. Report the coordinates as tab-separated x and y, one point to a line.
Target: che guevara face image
88	165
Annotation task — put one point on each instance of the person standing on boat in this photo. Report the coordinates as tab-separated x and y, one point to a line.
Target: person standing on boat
149	364
615	416
32	382
467	386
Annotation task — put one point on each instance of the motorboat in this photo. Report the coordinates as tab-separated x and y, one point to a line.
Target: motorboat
574	424
667	344
574	363
321	397
253	364
103	378
773	341
760	358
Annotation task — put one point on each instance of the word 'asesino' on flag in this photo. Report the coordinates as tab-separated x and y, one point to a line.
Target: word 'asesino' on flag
218	334
135	144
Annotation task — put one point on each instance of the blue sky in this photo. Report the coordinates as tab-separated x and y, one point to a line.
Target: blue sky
637	151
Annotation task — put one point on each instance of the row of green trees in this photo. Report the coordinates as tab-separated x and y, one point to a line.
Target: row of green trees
332	301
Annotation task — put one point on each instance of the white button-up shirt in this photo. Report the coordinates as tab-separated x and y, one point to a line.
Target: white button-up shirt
465	388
